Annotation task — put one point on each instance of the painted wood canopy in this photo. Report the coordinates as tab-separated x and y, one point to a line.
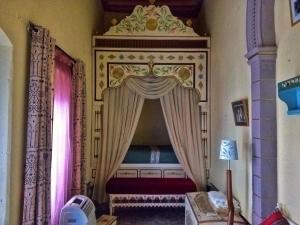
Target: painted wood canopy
150	35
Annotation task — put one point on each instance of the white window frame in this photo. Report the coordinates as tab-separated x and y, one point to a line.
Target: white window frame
6	53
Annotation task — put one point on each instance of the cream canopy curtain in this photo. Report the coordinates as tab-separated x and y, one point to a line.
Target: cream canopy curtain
151	87
122	109
182	116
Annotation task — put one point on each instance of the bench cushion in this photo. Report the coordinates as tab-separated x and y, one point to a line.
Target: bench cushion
150	186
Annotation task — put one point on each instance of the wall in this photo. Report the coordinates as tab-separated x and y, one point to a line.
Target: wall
6	50
230	81
288	127
151	128
72	24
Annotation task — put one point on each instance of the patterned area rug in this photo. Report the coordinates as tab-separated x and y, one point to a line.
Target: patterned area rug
150	216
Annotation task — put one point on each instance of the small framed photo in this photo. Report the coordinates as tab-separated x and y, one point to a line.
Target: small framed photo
295	11
240	112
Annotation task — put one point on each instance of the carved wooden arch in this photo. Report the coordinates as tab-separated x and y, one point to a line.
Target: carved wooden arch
262	60
151	34
260	24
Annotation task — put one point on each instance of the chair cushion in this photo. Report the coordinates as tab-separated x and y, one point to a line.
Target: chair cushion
275	218
150	186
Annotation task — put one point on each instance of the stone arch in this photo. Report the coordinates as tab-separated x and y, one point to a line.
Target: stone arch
6	51
261	57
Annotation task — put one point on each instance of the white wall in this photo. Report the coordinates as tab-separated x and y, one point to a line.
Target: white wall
288	127
5	123
230	81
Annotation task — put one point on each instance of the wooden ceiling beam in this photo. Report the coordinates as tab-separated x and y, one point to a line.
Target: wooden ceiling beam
179	8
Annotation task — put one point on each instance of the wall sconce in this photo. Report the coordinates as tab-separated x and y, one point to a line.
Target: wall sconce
289	92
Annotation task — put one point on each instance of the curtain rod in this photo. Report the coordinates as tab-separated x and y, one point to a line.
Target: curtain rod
31	27
63	51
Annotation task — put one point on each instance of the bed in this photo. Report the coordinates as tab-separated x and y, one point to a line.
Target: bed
150	176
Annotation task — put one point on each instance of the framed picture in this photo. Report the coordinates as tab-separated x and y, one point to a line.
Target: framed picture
295	11
240	112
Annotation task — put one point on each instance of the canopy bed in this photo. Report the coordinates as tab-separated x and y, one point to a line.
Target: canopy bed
150	55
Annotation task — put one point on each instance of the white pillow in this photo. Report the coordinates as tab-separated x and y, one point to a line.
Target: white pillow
218	201
218	195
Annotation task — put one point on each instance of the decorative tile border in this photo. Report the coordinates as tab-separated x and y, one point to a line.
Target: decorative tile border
290	83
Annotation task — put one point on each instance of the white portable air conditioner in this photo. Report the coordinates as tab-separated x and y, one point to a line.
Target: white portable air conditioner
79	210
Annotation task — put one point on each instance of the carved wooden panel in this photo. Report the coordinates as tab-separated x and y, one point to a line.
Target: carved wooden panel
97	135
151	173
174	173
127	173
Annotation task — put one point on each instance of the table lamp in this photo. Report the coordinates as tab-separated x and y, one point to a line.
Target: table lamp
228	151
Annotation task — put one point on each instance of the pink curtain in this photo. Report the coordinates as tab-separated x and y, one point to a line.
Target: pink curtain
79	128
62	160
37	177
36	206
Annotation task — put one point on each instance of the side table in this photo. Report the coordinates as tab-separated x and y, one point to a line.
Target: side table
198	211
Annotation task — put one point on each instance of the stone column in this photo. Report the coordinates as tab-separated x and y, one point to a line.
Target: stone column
264	132
262	60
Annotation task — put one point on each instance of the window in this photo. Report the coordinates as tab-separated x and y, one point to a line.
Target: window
5	123
61	168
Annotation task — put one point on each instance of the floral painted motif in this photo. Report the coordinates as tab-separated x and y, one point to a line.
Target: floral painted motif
190	70
151	20
118	72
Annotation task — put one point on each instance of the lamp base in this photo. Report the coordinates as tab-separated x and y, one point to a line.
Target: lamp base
229	198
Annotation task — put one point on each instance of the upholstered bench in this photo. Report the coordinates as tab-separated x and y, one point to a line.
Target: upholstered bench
148	192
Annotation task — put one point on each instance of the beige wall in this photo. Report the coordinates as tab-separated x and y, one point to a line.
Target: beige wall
288	127
72	24
151	128
230	81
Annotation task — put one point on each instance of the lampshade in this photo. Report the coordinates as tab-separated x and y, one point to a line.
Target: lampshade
228	150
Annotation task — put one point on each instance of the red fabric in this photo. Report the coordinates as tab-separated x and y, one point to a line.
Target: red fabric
150	186
276	218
